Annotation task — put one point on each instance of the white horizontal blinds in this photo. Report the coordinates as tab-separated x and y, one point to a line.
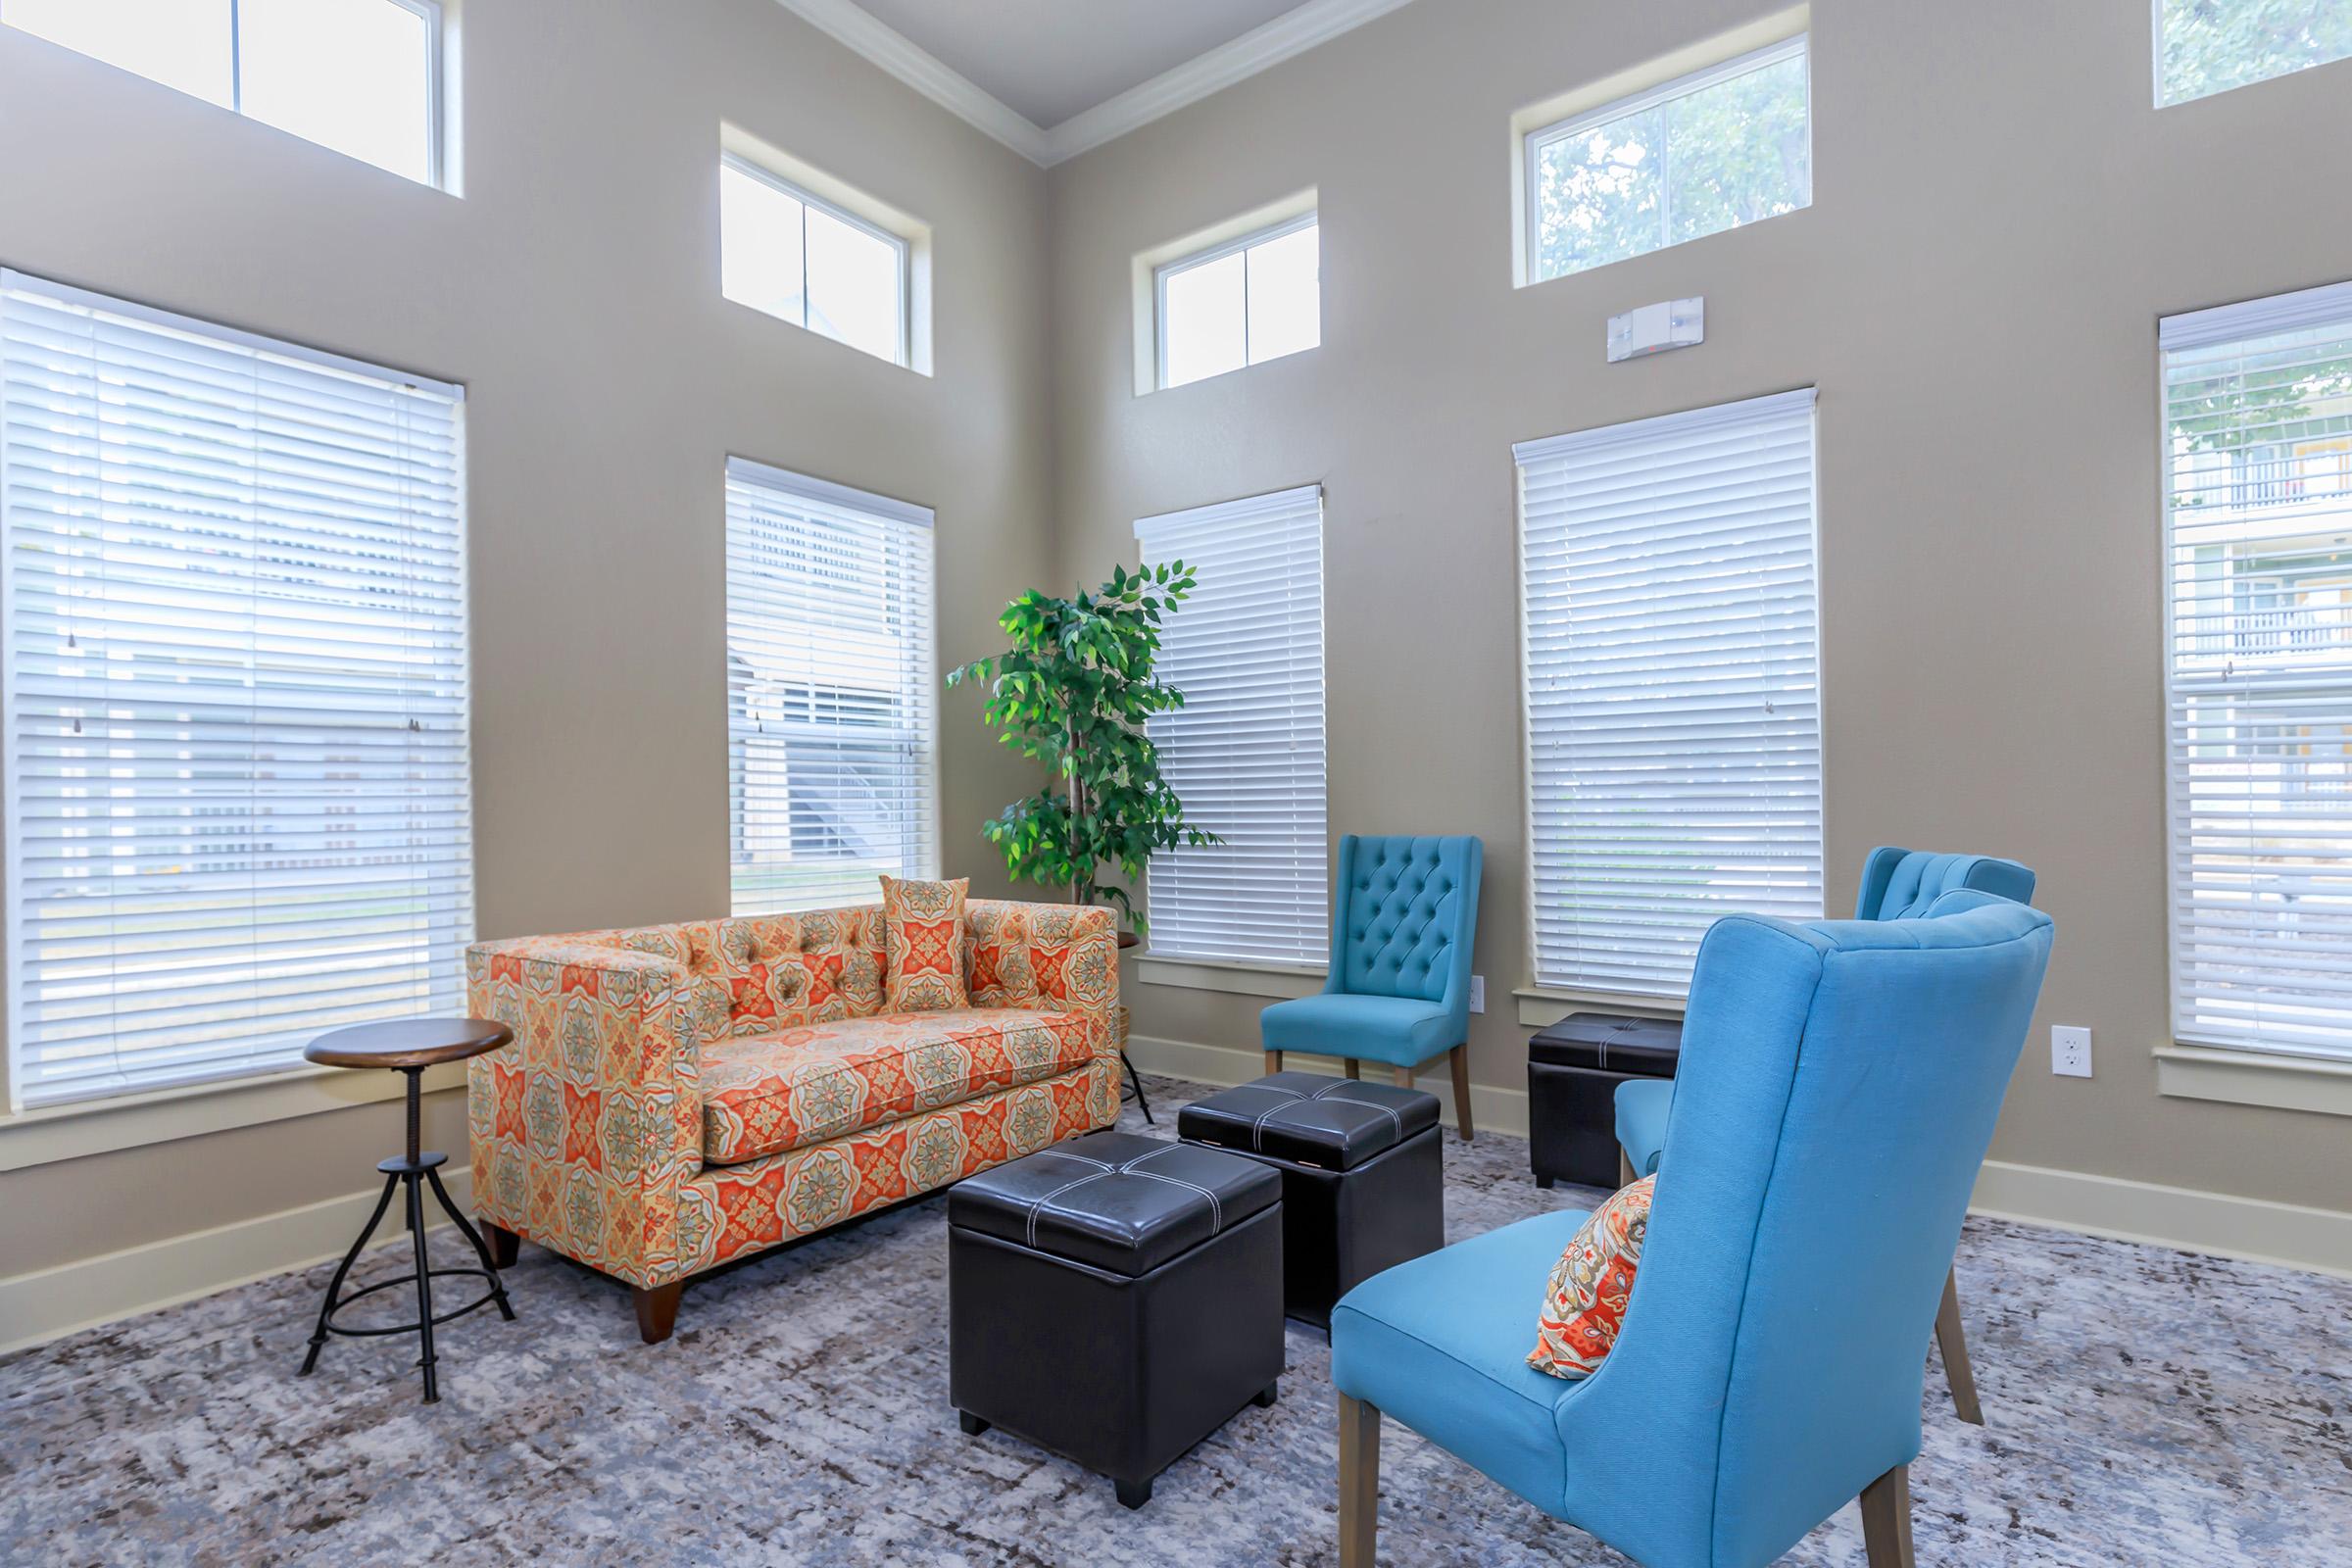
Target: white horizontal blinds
238	803
1673	704
1245	753
2258	559
832	723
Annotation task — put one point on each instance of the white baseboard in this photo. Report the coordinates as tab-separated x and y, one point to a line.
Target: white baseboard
1502	1109
2254	1229
50	1303
44	1304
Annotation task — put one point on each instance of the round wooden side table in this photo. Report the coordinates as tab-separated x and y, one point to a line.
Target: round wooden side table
409	1046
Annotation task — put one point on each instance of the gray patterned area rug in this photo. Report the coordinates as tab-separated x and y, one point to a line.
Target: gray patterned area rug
2146	1406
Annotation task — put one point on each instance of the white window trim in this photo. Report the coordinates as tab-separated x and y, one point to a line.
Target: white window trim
1160	275
69	1129
1234	979
2274	1074
77	1128
902	251
1253	976
436	92
826	491
1541	1004
1769	41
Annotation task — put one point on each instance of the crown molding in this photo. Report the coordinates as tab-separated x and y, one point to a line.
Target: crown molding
1261	48
846	23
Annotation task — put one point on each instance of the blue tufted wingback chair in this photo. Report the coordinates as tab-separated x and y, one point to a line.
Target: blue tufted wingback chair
1839	1084
1896	885
1404	915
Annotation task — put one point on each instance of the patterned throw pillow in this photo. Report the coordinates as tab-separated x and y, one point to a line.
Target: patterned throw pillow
923	923
1583	1306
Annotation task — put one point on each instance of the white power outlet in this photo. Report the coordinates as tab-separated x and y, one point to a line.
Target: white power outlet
2069	1050
1478	992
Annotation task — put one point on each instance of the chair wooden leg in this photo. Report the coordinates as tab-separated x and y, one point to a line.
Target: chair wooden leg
1461	1090
1404	1077
1952	1340
1359	1482
657	1310
1625	1169
1273	1062
1355	1068
1885	1519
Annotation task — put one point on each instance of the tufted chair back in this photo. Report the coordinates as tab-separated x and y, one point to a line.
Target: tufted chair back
1900	884
1401	923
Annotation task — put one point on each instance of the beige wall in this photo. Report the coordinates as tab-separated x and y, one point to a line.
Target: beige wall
574	290
2000	217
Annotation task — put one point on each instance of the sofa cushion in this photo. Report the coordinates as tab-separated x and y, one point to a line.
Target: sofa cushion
766	1094
923	923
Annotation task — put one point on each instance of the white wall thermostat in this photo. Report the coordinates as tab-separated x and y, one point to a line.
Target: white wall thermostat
1655	329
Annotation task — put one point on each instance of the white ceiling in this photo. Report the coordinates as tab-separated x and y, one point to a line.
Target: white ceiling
1053	59
1051	78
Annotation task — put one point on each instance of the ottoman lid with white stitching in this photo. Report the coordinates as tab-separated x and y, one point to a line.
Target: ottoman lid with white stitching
1309	1120
1114	1201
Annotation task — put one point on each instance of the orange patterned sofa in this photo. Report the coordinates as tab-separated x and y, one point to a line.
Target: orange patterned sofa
677	1096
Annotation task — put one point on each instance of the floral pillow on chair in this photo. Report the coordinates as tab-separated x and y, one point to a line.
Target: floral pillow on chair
923	928
1584	1305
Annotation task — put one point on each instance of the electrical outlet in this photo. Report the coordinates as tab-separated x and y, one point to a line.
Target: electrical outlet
2069	1050
1478	992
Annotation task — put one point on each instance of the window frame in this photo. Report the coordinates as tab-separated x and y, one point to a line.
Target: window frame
1178	967
1241	245
2222	1050
260	1091
436	70
902	263
1697	424
1533	141
927	833
2157	49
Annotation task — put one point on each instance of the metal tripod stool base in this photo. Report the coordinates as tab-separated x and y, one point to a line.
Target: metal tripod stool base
1136	1080
409	1175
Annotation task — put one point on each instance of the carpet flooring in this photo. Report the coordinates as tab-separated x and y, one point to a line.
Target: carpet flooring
2146	1406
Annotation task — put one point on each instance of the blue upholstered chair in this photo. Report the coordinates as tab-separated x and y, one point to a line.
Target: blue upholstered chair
1896	885
1403	914
1839	1084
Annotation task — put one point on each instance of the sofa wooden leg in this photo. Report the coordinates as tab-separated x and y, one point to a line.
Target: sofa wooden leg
657	1310
1273	1062
1404	1077
1625	1169
505	1246
1461	1090
1354	1067
1887	1519
1359	1482
1952	1340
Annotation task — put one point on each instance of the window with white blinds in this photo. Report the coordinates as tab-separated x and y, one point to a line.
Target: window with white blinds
1244	753
832	723
1672	698
2258	559
238	811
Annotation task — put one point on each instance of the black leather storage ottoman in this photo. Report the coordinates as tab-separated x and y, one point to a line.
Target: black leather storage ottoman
1573	1070
1115	1299
1363	1185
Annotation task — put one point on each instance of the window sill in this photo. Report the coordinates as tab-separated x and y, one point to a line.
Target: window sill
1540	1009
1236	979
2254	1078
164	1115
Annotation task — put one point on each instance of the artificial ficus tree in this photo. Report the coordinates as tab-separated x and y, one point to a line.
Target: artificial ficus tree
1075	692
